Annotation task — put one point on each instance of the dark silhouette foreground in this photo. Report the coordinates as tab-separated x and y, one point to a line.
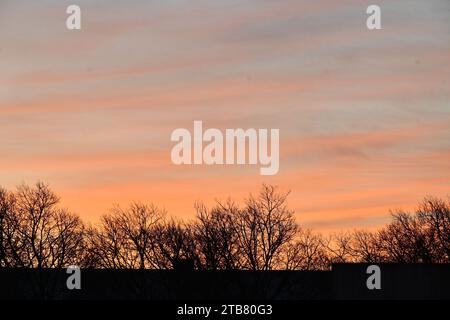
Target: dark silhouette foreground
345	281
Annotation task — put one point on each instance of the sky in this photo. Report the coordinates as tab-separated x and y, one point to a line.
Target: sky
364	115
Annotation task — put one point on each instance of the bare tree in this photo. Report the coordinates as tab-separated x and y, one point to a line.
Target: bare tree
340	247
6	207
108	248
419	237
308	252
434	214
174	241
35	232
126	237
367	247
214	233
262	235
264	229
408	239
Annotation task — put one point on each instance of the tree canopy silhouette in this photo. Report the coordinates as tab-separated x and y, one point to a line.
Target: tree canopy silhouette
35	232
260	234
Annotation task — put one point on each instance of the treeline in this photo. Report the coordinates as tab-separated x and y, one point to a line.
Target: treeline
260	234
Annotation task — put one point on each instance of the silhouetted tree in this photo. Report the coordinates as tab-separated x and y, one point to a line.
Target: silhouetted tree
419	237
308	252
174	241
434	214
404	240
6	207
261	235
35	232
264	228
214	233
366	247
126	237
340	247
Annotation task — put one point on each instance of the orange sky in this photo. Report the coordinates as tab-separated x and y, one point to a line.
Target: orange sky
364	116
